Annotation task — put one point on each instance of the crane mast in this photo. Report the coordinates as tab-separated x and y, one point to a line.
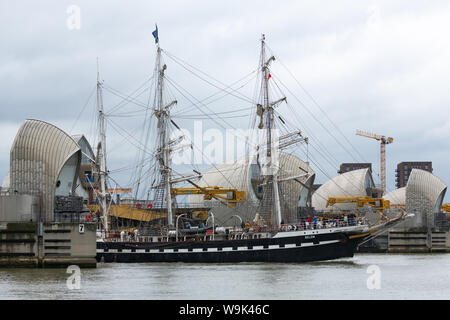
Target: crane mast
383	142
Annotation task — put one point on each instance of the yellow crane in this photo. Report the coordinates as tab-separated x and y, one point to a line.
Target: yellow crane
383	142
230	195
446	208
379	203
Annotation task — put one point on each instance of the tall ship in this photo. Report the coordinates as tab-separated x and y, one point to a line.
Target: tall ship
254	209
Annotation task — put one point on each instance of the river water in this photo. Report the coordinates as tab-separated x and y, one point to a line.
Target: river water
365	276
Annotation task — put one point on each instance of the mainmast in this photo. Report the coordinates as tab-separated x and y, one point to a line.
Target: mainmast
267	122
101	153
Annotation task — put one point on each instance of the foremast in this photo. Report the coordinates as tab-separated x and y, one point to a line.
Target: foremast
162	113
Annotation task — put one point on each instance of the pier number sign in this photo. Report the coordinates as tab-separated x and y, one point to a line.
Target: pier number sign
81	228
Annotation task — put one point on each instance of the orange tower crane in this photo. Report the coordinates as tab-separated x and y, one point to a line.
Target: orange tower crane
383	142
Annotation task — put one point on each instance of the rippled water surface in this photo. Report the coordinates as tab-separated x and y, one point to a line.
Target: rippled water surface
406	276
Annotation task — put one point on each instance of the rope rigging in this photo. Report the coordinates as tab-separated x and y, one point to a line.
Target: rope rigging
183	64
320	108
143	177
334	125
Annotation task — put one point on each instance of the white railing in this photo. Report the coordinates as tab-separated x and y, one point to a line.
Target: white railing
316	223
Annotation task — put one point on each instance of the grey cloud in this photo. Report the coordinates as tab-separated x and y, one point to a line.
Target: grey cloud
391	80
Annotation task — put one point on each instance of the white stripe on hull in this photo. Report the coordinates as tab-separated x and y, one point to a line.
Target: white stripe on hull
196	250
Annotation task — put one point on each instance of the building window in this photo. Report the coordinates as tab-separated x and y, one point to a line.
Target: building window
89	177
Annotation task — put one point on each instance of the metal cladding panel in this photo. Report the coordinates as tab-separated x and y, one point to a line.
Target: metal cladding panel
397	196
85	147
291	190
424	195
227	175
349	184
238	175
38	154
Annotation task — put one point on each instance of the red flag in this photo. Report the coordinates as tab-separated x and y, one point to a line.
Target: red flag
269	76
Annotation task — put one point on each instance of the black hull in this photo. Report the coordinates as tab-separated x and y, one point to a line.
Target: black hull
287	249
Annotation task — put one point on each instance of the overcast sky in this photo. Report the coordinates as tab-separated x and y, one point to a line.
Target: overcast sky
379	66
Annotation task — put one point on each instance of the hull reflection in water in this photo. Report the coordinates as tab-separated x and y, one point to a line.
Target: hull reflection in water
427	277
